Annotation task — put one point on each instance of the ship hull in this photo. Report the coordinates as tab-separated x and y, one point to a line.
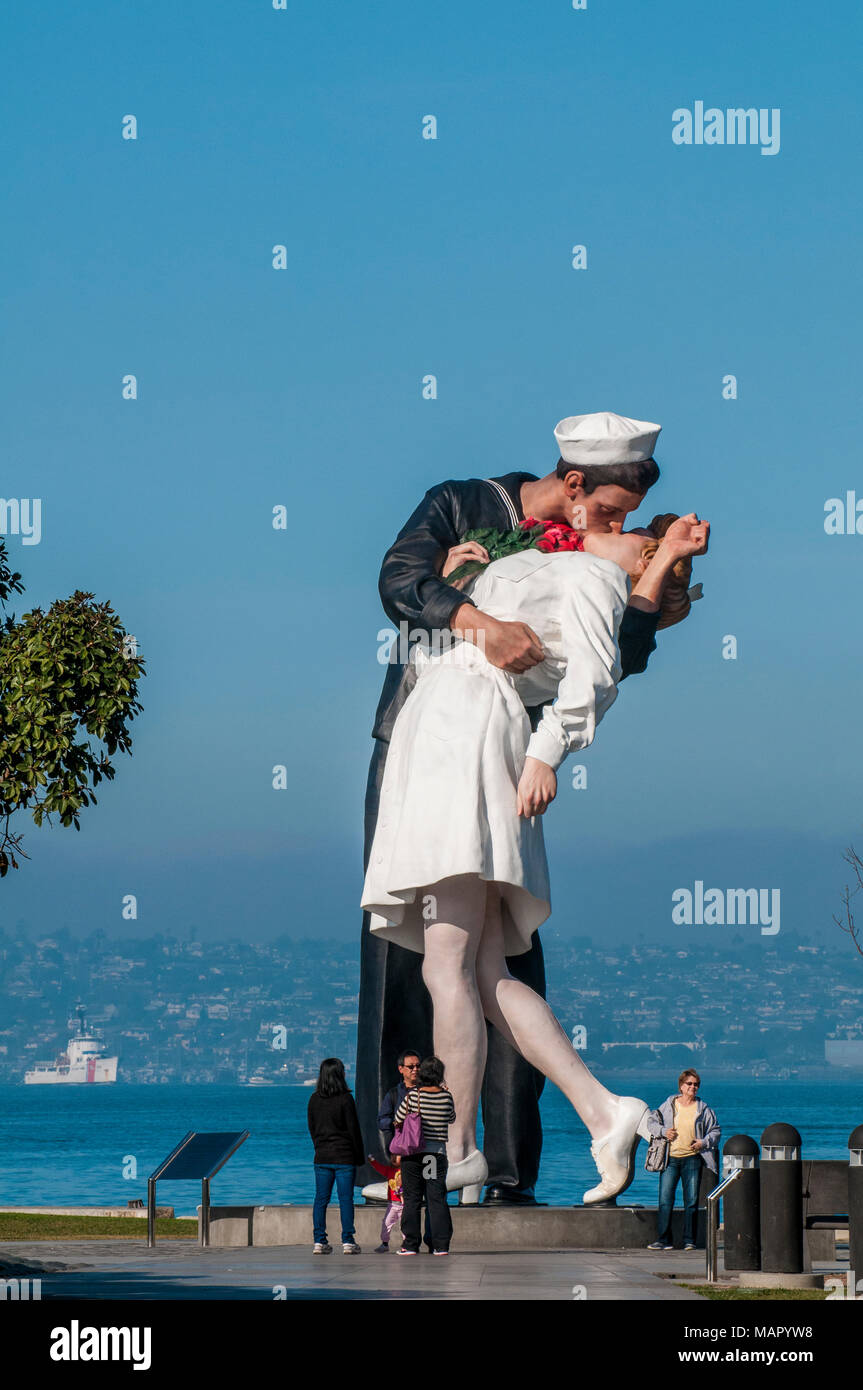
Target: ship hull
95	1071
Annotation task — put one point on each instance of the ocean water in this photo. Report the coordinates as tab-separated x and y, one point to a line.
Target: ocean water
72	1145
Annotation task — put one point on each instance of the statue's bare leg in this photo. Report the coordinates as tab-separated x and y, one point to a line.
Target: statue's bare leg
528	1024
456	916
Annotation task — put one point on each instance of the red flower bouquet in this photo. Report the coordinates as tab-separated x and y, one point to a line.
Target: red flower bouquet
554	535
530	534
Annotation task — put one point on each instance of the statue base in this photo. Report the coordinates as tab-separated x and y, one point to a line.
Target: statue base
500	1227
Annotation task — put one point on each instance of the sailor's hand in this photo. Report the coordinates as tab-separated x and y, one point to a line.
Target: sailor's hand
513	646
537	788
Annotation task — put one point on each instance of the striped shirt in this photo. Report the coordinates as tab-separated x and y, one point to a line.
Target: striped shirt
437	1111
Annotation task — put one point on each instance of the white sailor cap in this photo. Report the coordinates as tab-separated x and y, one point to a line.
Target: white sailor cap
605	438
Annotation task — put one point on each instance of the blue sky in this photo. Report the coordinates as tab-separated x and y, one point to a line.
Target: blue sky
303	387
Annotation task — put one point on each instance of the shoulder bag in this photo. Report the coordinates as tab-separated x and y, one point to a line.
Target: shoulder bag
657	1153
408	1136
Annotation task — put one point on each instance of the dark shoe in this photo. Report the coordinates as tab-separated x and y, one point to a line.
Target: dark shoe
500	1195
382	1249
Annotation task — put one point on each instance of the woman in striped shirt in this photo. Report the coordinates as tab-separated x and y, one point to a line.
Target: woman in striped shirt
424	1174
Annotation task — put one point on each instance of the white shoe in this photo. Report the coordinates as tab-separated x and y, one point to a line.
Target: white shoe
614	1153
468	1176
376	1192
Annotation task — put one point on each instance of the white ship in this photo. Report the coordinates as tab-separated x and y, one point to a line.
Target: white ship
83	1061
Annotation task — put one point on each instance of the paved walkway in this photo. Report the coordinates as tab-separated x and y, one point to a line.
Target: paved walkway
124	1269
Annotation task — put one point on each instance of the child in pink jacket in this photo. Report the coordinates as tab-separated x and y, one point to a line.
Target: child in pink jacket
395	1202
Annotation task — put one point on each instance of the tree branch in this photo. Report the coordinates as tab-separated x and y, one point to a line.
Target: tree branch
847	922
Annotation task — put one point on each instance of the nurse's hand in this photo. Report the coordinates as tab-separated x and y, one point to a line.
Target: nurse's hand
686	536
537	788
458	554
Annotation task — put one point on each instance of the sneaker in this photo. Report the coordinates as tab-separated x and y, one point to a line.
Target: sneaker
656	1245
689	1245
440	1252
321	1248
407	1252
382	1249
349	1248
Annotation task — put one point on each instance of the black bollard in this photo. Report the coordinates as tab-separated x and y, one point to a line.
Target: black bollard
741	1204
855	1206
781	1201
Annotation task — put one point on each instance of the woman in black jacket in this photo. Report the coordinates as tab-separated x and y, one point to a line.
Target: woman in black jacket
335	1130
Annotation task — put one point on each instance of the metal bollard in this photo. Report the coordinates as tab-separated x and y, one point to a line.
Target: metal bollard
742	1209
713	1221
151	1213
781	1201
855	1204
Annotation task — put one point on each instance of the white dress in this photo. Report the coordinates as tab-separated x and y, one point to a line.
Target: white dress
448	796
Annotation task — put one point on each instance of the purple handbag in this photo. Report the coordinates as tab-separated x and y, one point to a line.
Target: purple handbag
408	1136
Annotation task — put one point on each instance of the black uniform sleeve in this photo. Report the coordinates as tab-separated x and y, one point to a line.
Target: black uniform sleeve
410	585
636	639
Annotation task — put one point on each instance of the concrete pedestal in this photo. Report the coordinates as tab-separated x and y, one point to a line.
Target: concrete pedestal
474	1228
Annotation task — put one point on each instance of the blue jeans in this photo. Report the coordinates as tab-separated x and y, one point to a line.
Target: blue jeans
342	1174
689	1169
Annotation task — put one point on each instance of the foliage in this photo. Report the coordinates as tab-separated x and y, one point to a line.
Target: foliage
530	534
64	673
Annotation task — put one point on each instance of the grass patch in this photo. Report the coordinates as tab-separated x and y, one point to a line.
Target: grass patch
728	1295
24	1226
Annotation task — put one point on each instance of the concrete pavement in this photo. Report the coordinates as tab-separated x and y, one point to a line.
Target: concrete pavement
126	1269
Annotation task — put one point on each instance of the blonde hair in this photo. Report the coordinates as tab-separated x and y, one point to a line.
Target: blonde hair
675	603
